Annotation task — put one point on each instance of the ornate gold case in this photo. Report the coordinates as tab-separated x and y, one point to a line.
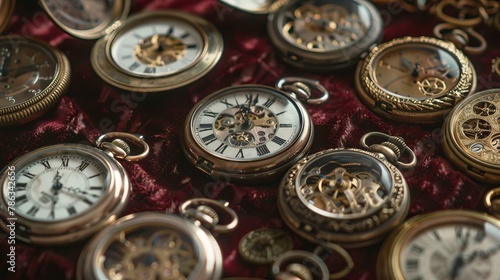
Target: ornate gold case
471	136
414	79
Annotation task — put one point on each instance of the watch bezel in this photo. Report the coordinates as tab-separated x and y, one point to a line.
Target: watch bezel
86	223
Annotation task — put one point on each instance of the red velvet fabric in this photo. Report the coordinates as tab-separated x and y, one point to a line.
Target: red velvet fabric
165	179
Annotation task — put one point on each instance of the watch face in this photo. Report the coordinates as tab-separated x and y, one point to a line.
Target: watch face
416	70
451	246
79	15
246	123
345	184
323	26
157	46
52	187
27	68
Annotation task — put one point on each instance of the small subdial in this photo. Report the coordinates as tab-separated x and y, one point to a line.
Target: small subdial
484	109
431	86
159	50
245	126
150	254
476	128
341	191
328	27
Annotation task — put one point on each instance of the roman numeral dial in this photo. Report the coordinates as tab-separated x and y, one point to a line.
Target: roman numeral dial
246	123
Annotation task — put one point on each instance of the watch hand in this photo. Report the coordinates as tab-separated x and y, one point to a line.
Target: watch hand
25	69
78	191
56	184
460	260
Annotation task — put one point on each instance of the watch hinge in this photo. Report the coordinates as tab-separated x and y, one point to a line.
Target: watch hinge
384	106
475	170
204	165
113	27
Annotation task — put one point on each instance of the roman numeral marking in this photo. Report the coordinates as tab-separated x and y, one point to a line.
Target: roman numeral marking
221	148
33	210
93	176
29	175
436	235
82	166
209	114
192	46
46	164
170	30
87	201
99	188
134	66
285	125
480	236
150	70
240	154
412	264
269	102
280	113
262	150
209	139
21	187
21	200
205	127
64	161
185	35
417	249
71	210
224	101
278	140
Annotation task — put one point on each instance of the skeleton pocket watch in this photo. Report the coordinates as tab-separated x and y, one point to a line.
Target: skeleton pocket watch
350	197
414	79
251	133
33	78
152	245
471	136
446	244
324	34
66	192
148	52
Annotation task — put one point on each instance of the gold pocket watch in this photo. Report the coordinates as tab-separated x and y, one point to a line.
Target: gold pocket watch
350	197
324	34
414	79
446	244
251	133
151	245
149	52
66	192
471	136
33	78
6	10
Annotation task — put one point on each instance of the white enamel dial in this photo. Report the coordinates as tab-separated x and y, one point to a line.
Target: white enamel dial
59	187
453	251
157	47
247	123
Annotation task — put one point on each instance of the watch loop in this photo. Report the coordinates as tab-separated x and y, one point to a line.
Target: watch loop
119	148
465	39
302	89
299	265
392	149
327	249
467	13
206	212
492	202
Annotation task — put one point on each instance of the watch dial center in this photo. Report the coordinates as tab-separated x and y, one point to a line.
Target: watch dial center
159	50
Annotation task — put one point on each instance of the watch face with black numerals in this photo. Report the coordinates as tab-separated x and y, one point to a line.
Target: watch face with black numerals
245	128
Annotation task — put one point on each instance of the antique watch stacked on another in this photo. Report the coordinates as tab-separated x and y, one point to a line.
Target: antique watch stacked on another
414	79
324	35
148	52
33	78
471	136
251	133
66	192
446	244
151	245
349	197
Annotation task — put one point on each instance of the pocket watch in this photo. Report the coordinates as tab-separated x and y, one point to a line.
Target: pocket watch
414	79
151	245
350	197
149	52
471	136
251	133
324	34
33	78
6	9
446	244
66	192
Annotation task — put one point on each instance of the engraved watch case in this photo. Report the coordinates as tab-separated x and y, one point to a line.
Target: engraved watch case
471	135
351	197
